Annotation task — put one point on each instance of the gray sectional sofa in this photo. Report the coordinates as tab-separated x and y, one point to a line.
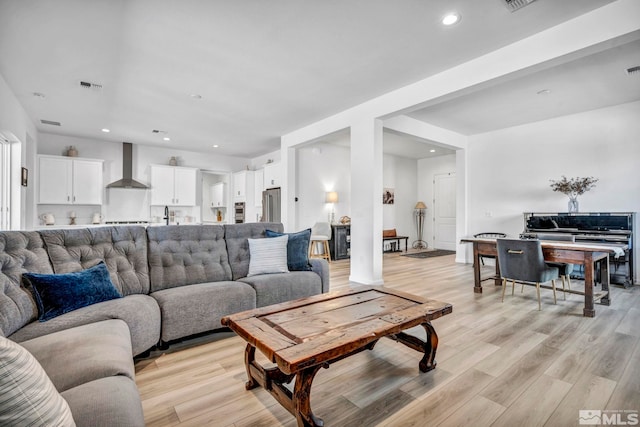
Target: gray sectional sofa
175	281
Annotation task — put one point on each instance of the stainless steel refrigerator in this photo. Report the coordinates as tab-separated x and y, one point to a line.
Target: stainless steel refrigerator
271	205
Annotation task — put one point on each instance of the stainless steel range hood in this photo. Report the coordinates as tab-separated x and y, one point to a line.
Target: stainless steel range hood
127	180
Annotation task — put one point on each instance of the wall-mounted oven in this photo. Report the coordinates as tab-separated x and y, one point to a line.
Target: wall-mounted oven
239	212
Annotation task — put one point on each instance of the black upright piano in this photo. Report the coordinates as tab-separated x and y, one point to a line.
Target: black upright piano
593	227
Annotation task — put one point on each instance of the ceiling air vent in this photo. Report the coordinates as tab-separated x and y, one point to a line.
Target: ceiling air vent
89	85
514	5
50	122
633	70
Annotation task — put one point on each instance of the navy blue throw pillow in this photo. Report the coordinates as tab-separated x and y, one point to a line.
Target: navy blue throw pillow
57	294
297	249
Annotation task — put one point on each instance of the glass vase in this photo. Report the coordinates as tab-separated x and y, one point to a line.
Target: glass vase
573	204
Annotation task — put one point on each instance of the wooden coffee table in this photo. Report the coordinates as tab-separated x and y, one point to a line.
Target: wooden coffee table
304	335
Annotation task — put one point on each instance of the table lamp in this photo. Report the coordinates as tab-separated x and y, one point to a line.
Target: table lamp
331	197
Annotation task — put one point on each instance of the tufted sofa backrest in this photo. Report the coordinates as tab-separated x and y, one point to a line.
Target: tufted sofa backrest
237	236
20	251
123	249
187	254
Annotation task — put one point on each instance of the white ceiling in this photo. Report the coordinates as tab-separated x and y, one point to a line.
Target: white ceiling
594	81
394	143
266	68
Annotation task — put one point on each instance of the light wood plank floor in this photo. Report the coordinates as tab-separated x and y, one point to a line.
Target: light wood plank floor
499	364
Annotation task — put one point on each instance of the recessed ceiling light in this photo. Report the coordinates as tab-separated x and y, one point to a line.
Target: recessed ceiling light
451	18
215	145
105	130
543	92
166	138
195	96
432	151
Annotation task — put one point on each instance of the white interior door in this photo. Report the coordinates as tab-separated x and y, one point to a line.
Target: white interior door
444	217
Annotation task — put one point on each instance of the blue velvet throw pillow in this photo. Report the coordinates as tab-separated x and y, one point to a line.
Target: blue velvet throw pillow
57	294
297	249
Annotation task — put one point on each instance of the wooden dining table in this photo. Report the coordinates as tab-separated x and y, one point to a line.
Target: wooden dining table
584	254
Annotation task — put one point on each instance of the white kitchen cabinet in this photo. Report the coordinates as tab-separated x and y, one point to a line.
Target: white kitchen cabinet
185	189
244	190
218	195
173	185
272	175
258	187
239	186
243	183
162	185
69	181
88	184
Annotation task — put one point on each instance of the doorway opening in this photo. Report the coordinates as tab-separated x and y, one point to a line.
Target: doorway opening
215	198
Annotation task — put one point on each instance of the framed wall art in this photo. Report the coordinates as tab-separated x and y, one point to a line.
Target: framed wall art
388	195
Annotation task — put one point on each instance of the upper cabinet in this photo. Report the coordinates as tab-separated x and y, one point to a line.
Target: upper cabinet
240	186
69	181
173	185
218	195
258	179
272	175
243	186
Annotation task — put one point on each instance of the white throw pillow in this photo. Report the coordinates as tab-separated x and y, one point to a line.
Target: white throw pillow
268	255
28	396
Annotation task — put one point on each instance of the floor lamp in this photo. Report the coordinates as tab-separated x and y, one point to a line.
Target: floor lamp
419	213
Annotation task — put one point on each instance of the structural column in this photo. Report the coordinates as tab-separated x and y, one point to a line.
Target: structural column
366	202
288	188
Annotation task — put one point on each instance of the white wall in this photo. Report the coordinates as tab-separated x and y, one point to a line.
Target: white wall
326	167
16	126
143	156
400	174
260	161
509	170
427	170
13	118
321	168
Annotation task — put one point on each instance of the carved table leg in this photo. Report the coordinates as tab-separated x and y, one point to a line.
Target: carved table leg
302	398
249	357
428	362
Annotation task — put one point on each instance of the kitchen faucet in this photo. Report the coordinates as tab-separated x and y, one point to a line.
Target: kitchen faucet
166	214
